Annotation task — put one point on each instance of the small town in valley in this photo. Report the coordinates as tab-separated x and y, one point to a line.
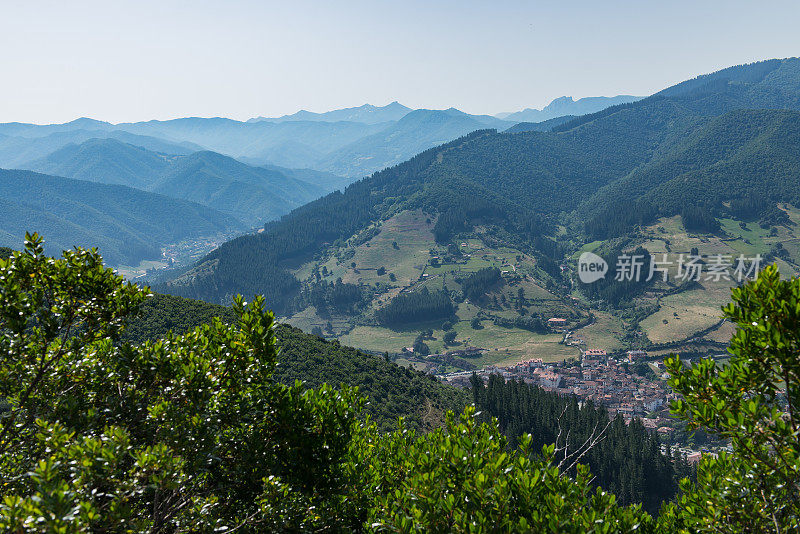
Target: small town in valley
631	385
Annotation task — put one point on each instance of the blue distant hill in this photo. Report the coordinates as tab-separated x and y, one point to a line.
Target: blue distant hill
565	105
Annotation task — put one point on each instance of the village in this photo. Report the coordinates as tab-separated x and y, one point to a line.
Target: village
598	377
627	385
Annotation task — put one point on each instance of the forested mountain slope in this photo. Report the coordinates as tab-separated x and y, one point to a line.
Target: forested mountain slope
126	224
742	155
521	182
250	194
628	462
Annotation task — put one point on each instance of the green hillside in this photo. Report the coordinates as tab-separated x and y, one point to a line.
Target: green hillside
525	203
744	154
126	224
393	391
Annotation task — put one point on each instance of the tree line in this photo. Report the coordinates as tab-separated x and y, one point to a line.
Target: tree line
416	306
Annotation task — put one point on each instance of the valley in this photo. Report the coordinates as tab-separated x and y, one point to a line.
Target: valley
461	254
459	258
247	290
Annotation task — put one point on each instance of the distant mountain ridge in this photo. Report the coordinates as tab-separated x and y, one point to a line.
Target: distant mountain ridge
253	195
565	105
368	114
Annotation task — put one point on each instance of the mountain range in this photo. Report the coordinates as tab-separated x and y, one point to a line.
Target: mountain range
350	142
366	114
565	105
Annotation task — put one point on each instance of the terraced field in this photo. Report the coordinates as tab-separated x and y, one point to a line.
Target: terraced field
405	247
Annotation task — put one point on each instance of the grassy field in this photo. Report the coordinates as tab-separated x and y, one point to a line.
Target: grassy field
306	320
686	313
500	342
130	272
548	352
748	238
603	334
682	315
588	247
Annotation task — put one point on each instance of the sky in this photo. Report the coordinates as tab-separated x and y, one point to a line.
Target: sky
139	60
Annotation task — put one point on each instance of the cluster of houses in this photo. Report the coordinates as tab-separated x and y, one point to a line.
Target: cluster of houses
600	378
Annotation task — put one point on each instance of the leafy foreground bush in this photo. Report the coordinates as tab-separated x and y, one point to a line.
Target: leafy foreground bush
192	433
755	402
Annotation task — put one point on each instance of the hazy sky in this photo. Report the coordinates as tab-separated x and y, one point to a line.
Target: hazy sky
142	59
